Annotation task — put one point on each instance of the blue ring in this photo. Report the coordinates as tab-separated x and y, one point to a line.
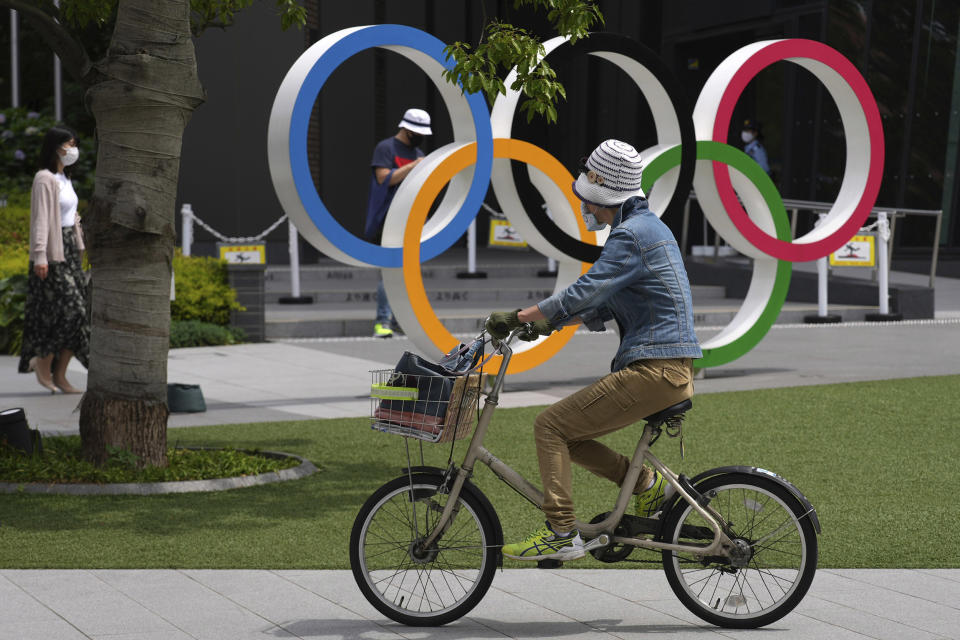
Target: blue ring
374	254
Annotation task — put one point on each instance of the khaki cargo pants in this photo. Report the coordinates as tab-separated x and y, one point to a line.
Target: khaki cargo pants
565	432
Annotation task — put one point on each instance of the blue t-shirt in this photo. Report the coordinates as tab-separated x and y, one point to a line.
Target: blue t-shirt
389	154
756	151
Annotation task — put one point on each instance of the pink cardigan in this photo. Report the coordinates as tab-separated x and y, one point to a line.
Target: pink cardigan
46	239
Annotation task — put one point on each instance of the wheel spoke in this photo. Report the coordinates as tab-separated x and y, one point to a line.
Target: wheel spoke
780	549
447	579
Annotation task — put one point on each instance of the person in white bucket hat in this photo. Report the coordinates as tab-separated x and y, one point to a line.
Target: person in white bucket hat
393	159
640	282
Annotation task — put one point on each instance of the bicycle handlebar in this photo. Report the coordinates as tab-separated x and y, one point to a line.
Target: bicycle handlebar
499	345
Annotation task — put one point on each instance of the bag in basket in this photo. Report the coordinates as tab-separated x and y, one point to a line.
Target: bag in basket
434	387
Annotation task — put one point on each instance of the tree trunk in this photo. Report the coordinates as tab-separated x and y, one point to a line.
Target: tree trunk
147	88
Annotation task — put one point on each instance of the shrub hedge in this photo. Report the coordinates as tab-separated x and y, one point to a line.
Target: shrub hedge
15	235
194	333
13	296
200	314
202	292
21	136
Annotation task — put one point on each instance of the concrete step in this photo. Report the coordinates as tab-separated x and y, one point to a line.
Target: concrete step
344	293
325	321
319	275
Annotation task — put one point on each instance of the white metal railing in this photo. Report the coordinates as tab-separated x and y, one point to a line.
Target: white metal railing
188	218
885	226
796	206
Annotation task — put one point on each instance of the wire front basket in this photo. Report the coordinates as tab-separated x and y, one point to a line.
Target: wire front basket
432	408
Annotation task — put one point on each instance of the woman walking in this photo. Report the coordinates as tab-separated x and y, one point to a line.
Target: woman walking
55	316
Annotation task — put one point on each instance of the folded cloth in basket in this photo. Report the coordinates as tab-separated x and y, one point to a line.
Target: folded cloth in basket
419	421
433	384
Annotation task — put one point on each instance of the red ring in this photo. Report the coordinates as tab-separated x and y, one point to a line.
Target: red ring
775	52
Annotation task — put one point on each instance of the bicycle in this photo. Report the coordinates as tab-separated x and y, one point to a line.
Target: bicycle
738	544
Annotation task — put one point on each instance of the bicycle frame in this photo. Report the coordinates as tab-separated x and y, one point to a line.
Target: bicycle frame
721	545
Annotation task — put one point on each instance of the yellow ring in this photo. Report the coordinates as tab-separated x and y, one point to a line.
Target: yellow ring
413	279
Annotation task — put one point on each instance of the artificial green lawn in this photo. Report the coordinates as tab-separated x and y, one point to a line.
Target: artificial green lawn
877	459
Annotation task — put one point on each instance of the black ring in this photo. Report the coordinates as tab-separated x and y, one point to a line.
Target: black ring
616	43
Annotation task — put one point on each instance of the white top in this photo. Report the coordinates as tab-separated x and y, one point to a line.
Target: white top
68	201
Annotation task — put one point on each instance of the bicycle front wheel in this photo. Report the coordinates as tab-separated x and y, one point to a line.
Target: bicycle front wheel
777	553
422	586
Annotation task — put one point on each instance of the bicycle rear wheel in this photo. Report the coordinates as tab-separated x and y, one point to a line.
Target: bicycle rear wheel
778	560
423	587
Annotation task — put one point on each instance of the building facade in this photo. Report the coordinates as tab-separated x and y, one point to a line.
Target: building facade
906	50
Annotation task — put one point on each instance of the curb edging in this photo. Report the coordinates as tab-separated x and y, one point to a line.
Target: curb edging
304	469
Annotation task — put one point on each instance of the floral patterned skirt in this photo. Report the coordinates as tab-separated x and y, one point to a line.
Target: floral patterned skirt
55	313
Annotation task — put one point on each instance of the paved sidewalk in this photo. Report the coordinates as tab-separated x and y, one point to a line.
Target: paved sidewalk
241	605
330	378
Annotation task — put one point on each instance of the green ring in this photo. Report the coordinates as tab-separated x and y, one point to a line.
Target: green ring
733	157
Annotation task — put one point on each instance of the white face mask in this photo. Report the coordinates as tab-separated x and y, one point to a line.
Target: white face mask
746	136
590	219
71	156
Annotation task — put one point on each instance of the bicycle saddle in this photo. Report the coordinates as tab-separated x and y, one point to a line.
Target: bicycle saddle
658	418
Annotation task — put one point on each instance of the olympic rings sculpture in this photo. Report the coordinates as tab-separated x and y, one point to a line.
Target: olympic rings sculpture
691	148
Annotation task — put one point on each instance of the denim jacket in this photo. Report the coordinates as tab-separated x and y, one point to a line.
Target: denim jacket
639	280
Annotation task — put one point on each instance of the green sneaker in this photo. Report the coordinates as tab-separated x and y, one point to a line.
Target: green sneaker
382	331
650	501
544	543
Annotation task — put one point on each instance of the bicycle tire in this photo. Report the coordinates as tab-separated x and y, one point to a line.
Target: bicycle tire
447	581
769	521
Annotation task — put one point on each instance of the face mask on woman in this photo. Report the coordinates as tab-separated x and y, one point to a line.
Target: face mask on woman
71	156
590	219
746	136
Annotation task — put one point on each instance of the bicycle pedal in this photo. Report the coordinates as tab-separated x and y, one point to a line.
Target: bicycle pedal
549	563
600	541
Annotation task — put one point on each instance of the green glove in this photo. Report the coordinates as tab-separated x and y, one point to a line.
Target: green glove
535	329
501	323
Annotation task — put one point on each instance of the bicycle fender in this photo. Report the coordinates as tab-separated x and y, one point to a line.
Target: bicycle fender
472	489
770	475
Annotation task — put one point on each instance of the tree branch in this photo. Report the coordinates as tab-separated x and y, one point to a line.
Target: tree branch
43	18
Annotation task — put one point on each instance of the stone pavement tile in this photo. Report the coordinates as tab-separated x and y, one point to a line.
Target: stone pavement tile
337	587
650	588
944	574
189	606
798	627
17	606
322	629
359	618
150	635
561	602
845	617
88	603
513	616
633	584
515	399
646	587
909	610
833	581
47	630
281	601
927	585
324	410
215	390
217	414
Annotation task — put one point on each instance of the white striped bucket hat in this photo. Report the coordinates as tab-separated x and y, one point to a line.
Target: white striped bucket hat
611	174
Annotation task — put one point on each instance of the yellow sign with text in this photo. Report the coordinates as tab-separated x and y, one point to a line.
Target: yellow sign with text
859	251
503	234
243	253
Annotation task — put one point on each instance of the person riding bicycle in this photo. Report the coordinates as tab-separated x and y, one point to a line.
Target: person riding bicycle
640	282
